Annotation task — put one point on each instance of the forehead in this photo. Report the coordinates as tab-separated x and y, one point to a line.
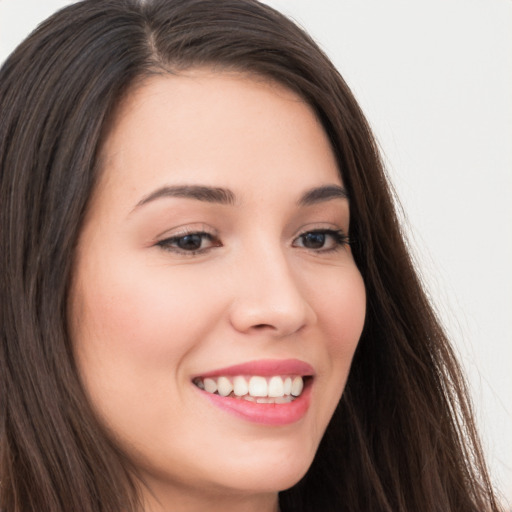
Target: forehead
225	129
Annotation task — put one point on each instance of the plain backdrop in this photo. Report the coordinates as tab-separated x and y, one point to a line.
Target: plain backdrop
435	81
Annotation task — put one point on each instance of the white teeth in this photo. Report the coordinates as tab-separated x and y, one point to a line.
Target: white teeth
284	399
287	386
210	385
297	386
224	386
276	387
240	386
265	400
258	386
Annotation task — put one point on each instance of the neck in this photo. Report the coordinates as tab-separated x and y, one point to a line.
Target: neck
192	501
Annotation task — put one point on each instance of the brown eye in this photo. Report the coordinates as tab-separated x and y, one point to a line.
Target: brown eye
189	243
313	240
321	240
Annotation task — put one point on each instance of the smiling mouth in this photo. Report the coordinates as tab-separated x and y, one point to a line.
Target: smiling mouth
276	389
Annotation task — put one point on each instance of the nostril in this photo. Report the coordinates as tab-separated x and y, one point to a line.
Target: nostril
271	313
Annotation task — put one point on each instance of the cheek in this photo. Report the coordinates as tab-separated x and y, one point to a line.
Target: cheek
131	330
131	333
341	313
138	313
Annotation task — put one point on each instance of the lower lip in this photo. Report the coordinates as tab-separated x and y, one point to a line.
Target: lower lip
266	414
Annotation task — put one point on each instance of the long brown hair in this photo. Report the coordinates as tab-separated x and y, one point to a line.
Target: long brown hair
402	438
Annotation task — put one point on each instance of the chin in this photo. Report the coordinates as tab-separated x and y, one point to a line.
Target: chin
276	471
248	468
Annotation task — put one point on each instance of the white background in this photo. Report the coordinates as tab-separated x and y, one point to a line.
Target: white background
435	80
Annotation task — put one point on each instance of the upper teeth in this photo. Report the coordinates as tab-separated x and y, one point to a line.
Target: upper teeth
255	386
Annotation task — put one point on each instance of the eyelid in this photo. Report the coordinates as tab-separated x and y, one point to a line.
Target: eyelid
339	235
186	229
168	237
320	226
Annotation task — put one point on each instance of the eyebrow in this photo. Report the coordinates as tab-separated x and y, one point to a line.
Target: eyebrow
198	192
321	194
225	196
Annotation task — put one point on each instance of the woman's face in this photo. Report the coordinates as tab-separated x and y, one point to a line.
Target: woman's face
212	280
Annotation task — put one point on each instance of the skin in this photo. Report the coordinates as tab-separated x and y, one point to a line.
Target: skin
145	318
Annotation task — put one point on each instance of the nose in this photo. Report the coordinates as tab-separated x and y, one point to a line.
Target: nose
269	297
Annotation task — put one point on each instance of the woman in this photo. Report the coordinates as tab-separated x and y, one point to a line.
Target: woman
207	303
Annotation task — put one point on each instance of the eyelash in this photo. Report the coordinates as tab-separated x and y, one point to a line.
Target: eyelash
170	244
340	240
338	236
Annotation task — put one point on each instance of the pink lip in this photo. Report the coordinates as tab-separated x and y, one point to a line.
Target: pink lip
264	368
266	414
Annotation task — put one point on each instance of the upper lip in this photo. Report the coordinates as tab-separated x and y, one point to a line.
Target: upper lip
264	368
